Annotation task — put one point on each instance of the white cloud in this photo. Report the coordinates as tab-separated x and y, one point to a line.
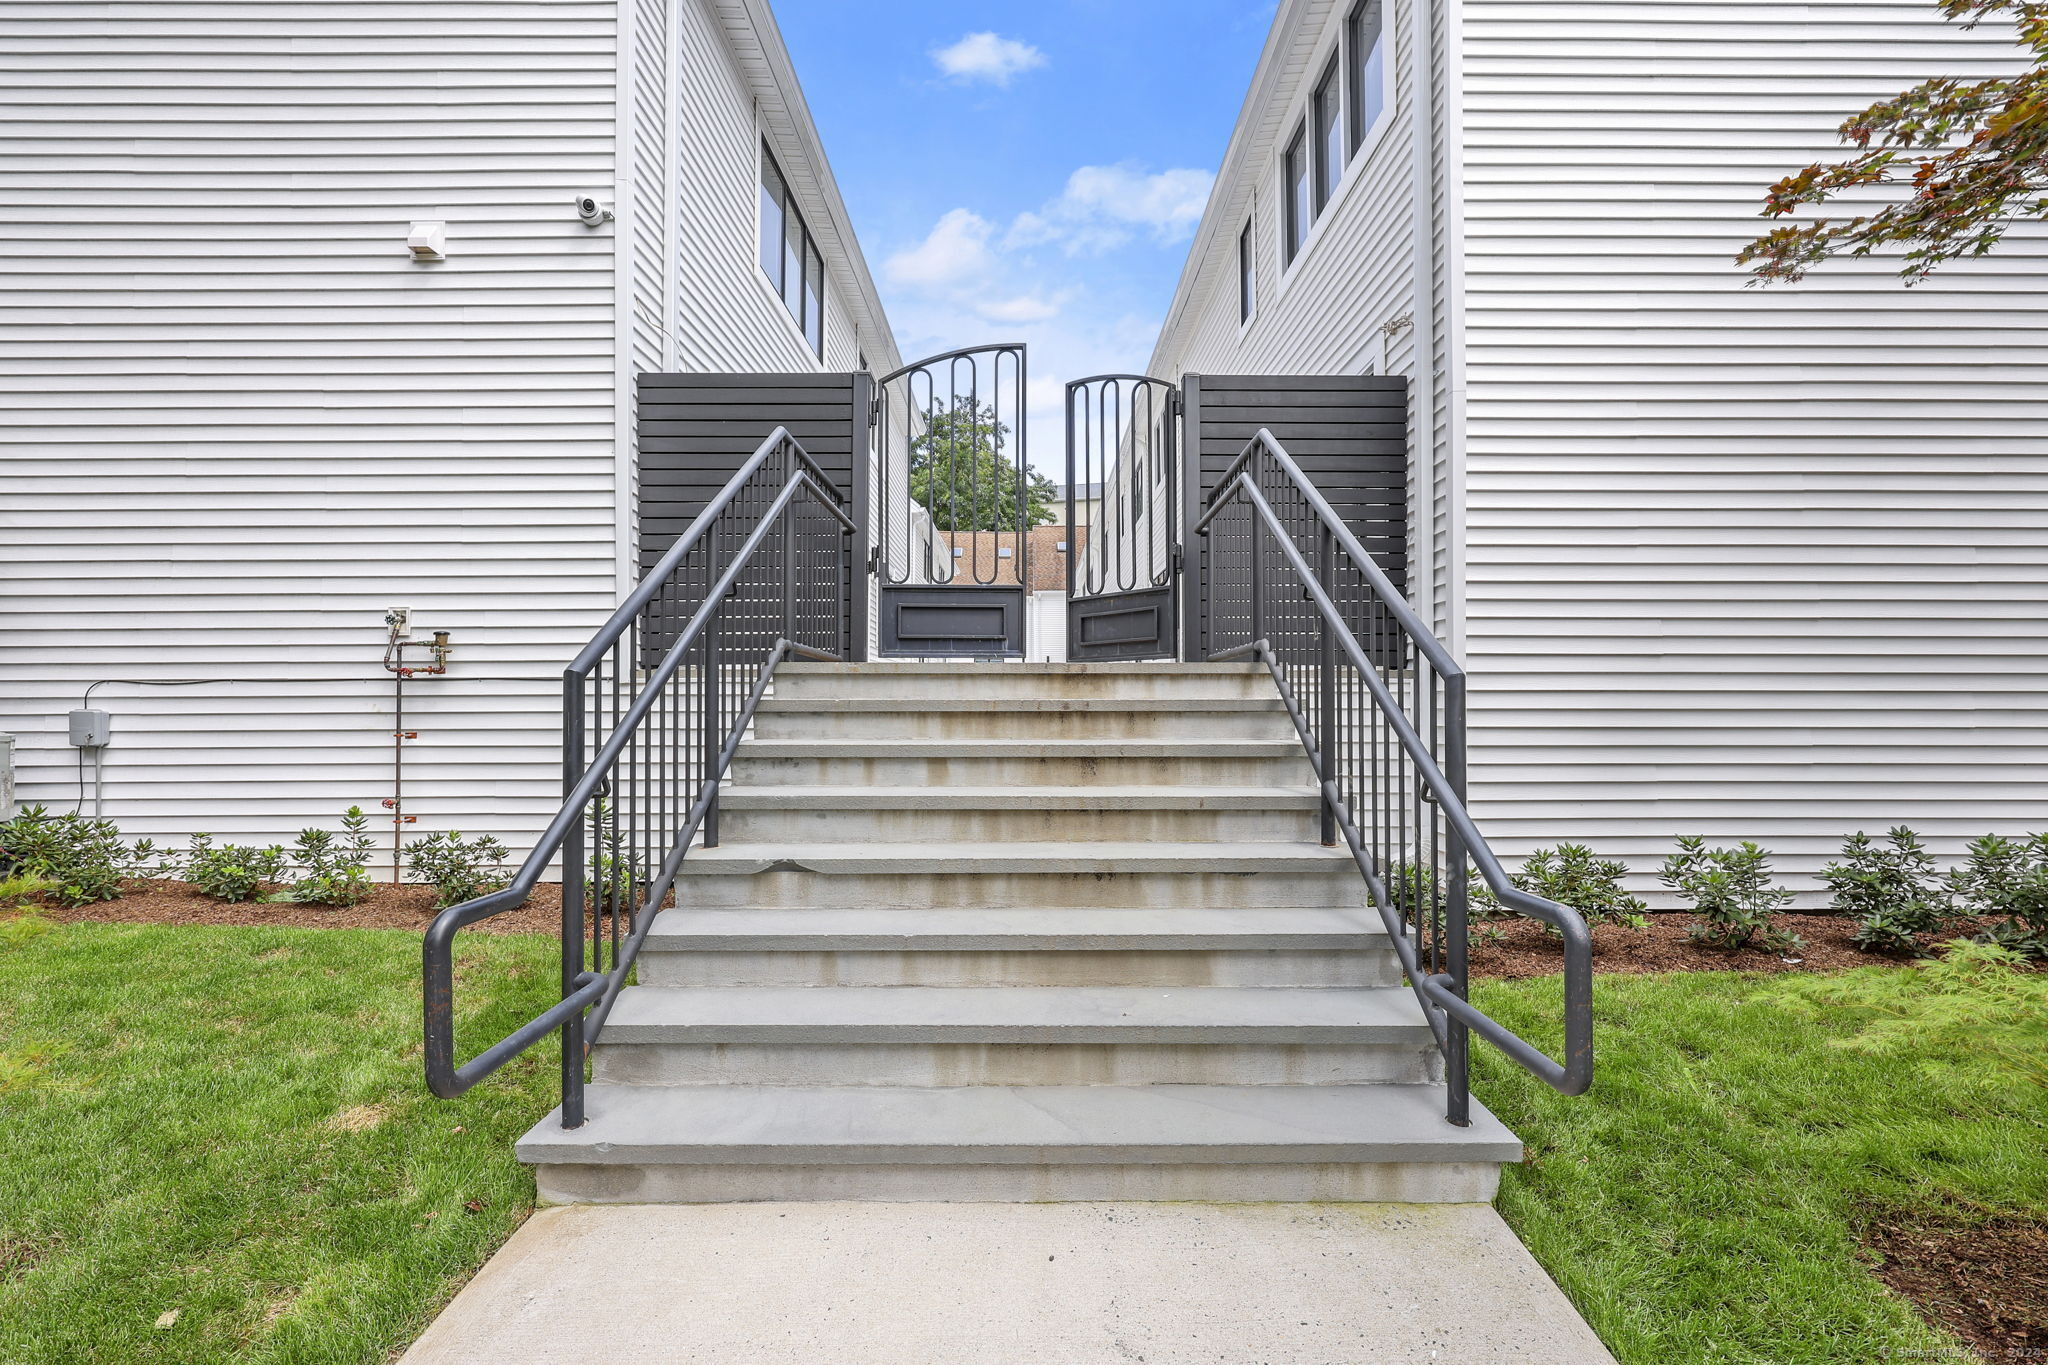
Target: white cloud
987	57
955	252
1102	206
1022	308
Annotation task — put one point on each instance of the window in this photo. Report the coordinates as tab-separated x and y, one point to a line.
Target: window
1247	279
789	258
814	298
1365	55
1294	193
1324	108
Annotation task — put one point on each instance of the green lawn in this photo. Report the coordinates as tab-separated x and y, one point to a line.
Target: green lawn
230	1125
1700	1205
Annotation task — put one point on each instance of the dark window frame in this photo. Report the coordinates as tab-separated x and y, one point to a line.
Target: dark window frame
1326	118
801	290
1295	209
1358	64
1247	273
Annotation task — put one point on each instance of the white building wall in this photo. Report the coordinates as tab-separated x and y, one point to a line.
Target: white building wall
237	422
1345	304
240	422
1748	563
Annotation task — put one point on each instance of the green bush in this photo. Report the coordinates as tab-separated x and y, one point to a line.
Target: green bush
2008	879
1570	875
334	870
1730	890
457	869
84	860
231	872
1891	890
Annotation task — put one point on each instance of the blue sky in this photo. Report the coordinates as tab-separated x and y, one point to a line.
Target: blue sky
1026	172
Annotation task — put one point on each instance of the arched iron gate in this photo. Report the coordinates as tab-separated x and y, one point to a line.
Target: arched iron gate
1123	517
953	511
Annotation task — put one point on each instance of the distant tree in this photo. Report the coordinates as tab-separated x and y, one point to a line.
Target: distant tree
1972	156
965	477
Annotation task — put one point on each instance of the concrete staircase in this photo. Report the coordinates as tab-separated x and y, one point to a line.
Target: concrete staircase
1018	932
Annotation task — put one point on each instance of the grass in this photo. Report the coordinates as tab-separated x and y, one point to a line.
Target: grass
1702	1203
215	1143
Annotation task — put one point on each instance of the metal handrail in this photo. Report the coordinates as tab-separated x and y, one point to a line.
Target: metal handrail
1444	991
585	783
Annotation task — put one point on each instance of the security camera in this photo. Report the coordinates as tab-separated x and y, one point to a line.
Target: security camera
592	210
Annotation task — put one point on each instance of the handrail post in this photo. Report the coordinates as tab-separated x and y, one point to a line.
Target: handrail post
1257	552
575	720
712	745
1326	699
1457	1037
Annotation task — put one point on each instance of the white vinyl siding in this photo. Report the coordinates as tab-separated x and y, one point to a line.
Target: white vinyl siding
1746	563
239	422
1328	314
1343	307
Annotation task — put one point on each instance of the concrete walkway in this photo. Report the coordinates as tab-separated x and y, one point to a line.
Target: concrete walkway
1011	1284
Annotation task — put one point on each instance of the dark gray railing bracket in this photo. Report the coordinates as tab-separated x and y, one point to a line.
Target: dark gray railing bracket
1381	713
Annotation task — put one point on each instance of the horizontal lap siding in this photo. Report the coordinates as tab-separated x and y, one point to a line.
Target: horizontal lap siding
240	423
1328	313
1753	563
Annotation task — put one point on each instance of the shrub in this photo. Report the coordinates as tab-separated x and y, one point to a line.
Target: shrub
1570	875
231	872
1730	890
1412	891
617	873
1889	889
457	869
83	859
2008	879
334	870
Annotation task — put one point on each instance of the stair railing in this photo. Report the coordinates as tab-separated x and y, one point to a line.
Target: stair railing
1380	705
652	710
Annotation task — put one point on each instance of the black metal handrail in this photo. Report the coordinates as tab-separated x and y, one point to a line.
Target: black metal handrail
664	692
1380	705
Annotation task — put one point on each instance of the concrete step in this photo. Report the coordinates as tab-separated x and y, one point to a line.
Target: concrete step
687	1144
961	680
1049	1035
838	815
941	876
1022	947
1023	718
877	762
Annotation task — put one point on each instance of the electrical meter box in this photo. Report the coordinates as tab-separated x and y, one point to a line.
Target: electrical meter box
90	729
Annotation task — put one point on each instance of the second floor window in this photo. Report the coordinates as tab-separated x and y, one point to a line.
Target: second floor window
1330	157
1247	276
1365	58
1295	212
789	258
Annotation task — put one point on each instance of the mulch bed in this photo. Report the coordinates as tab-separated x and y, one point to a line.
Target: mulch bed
1522	950
1985	1281
392	906
1525	949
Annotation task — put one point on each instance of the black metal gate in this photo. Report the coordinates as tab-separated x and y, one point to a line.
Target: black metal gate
1123	517
954	505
